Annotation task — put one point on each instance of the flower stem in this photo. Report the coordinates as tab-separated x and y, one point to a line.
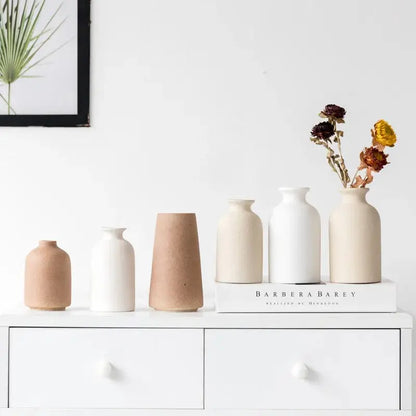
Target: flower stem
8	99
355	175
364	183
343	169
329	157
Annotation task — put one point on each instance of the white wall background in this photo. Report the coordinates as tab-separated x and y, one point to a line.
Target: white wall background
194	101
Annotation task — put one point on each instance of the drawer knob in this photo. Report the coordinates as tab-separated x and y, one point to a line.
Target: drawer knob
300	371
105	369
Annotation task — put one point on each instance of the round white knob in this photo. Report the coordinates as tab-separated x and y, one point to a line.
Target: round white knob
300	371
105	368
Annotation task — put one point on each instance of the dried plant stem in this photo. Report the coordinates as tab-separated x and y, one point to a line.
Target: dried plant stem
343	169
326	134
6	102
331	158
8	98
345	178
355	175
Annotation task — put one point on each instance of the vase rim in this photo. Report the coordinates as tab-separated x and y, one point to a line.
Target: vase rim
241	201
113	229
294	188
47	242
176	213
352	190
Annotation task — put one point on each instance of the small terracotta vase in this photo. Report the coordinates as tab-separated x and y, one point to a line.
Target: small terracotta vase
48	278
176	283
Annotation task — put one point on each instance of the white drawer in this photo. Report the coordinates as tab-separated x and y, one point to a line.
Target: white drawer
68	368
348	369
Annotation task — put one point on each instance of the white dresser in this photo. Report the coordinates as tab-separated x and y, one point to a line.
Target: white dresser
154	363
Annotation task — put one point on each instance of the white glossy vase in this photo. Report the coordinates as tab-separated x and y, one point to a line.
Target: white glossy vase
240	245
295	240
112	266
355	240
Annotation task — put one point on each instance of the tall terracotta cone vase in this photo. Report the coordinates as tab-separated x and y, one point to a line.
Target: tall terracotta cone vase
176	283
48	278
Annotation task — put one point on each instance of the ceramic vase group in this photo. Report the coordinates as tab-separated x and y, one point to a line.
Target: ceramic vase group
176	282
295	241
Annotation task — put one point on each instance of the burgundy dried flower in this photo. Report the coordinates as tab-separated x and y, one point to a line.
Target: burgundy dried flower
324	130
334	111
373	158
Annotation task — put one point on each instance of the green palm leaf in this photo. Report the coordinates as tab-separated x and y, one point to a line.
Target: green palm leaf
22	41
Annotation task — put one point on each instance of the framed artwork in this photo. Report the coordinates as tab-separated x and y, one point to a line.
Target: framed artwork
44	63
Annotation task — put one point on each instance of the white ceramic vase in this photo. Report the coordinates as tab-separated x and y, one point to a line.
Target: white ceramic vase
295	240
112	266
355	240
240	244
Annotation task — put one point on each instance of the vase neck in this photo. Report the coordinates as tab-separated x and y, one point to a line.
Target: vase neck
240	204
47	243
350	195
294	194
112	233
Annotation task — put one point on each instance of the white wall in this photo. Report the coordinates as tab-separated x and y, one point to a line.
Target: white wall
194	101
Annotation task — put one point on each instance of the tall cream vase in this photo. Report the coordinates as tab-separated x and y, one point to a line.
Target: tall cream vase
240	244
355	239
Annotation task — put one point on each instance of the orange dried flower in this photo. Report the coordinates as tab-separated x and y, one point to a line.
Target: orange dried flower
373	158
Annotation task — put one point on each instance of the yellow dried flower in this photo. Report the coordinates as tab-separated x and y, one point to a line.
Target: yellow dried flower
383	134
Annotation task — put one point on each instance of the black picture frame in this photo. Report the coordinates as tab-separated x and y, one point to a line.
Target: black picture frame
82	118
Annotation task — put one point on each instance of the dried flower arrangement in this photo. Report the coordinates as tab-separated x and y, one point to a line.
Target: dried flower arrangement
372	159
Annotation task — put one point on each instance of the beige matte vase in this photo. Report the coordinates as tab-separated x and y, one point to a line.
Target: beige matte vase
240	244
48	278
176	283
355	240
